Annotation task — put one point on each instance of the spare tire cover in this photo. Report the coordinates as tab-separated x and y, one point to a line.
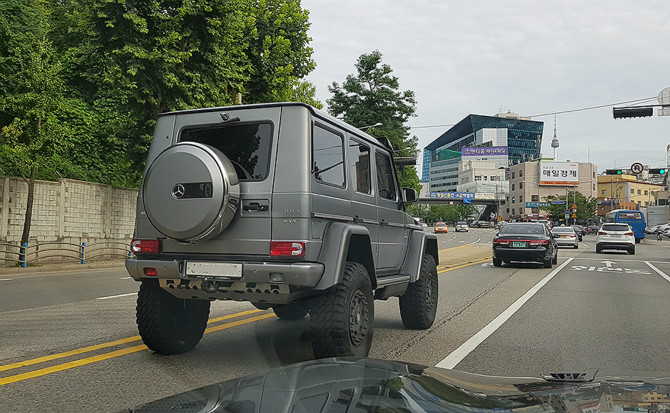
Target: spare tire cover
191	192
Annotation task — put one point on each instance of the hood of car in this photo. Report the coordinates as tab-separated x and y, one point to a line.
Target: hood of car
342	384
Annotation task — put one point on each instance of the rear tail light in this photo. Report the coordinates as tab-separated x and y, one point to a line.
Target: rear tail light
500	242
629	233
150	272
287	249
538	242
146	246
602	233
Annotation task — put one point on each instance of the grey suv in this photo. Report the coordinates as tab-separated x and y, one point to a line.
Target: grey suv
285	207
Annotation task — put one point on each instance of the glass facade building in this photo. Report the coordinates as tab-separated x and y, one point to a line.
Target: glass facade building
524	139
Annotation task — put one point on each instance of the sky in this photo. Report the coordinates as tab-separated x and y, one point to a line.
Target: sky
528	57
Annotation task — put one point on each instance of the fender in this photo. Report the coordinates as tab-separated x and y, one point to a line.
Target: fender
420	243
340	237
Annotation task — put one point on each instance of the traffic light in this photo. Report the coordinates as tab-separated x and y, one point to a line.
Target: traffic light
657	171
613	171
633	112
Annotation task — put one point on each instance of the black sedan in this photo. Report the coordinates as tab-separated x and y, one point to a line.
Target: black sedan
524	241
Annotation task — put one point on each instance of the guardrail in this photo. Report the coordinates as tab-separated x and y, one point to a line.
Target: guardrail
54	251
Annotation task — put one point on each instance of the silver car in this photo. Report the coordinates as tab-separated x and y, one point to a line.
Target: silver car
462	226
285	207
565	236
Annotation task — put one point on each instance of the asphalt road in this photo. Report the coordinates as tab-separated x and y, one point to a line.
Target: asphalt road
68	340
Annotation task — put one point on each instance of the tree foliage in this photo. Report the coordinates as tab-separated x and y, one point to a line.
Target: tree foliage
442	213
586	207
371	96
122	62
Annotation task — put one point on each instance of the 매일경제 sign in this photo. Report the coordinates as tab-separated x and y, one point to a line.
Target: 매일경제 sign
559	173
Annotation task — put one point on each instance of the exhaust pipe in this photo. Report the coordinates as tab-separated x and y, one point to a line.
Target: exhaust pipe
210	286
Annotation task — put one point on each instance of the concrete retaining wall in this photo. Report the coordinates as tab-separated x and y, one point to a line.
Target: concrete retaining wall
68	212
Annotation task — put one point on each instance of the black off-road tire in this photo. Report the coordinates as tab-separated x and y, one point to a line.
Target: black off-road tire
342	320
418	305
167	324
294	311
497	262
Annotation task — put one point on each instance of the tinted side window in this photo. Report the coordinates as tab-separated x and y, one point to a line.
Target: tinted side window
328	156
385	182
359	166
247	145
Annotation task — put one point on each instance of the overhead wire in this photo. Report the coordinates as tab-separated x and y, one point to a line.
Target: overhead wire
638	101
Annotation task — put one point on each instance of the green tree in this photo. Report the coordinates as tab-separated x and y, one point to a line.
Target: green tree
277	47
371	96
586	206
35	130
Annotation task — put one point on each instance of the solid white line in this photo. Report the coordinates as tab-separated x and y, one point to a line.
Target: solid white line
116	296
5	279
659	272
125	278
466	348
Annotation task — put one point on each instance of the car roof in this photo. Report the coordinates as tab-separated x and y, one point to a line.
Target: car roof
384	143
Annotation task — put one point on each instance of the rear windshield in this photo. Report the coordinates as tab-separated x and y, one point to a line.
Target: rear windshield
615	227
523	229
630	215
247	145
440	224
461	223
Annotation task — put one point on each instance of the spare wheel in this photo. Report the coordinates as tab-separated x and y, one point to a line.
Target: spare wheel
191	192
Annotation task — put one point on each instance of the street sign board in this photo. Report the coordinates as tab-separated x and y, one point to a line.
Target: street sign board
452	195
535	204
567	211
574	215
636	168
558	202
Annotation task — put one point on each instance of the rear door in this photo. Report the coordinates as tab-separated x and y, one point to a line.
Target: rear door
393	230
249	139
363	203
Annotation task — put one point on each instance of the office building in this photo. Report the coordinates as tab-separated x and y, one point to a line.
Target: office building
522	137
536	181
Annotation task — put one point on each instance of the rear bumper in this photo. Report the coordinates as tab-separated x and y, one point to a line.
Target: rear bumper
301	274
608	245
254	285
566	242
521	254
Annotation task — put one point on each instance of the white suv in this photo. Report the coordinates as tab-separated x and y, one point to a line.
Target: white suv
615	237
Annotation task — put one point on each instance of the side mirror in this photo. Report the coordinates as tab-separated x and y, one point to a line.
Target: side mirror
409	195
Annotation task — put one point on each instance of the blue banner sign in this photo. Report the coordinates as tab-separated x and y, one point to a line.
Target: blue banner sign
452	195
484	151
558	202
537	204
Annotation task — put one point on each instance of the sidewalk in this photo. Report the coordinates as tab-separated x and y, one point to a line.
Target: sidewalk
64	266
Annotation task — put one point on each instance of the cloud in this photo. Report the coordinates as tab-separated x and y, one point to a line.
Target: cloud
529	57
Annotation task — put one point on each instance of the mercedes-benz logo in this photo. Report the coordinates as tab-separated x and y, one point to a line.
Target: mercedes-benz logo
178	191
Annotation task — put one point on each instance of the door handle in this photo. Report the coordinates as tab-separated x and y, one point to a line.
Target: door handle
255	206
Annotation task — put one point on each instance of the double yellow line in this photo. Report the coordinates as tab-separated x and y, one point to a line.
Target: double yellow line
115	353
462	264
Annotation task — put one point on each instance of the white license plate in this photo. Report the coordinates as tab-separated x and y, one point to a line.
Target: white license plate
214	269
